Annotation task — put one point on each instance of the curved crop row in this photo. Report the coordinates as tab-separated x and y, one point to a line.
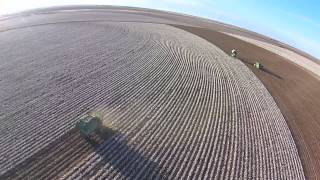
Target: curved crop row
181	107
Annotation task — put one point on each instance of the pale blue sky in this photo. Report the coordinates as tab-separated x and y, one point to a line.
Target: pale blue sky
294	22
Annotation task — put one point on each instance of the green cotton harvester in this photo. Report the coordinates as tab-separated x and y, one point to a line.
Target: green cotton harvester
258	65
233	53
89	123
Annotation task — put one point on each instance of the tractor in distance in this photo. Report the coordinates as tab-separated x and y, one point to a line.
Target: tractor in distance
258	65
233	53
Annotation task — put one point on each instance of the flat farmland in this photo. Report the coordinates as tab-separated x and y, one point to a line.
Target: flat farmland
180	106
295	90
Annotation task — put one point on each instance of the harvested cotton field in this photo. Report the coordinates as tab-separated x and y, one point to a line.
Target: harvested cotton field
179	106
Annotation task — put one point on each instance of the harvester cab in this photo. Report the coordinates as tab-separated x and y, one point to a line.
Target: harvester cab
258	65
233	53
89	124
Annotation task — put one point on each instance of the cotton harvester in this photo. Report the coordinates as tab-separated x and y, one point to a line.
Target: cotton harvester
89	123
233	53
258	65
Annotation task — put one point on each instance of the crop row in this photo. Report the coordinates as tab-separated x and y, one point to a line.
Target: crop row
182	109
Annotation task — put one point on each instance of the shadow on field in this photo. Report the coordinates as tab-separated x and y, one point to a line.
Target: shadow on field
124	159
99	137
63	154
271	73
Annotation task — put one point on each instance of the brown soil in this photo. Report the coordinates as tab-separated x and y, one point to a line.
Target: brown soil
295	91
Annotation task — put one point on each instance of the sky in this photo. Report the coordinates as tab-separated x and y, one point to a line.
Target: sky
295	22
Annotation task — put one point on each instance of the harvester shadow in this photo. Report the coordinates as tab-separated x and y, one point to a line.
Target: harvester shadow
100	136
72	148
270	72
264	69
124	159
